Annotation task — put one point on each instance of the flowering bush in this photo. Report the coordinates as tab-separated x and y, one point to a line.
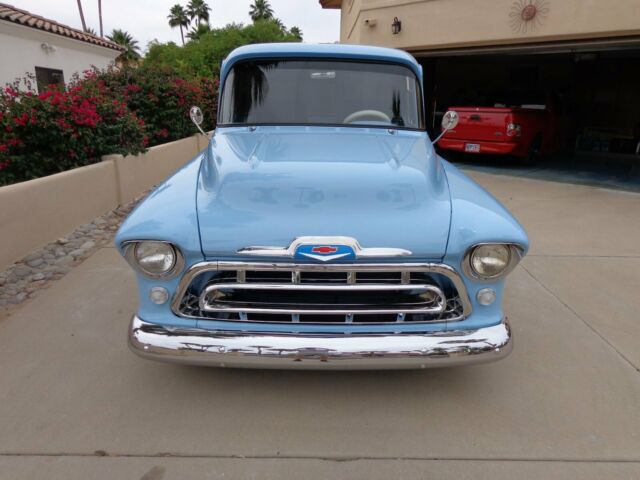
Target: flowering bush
161	98
58	130
114	111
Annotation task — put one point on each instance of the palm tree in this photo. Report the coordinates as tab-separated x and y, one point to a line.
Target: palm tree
100	17
91	31
84	24
125	39
199	30
198	10
296	32
260	10
280	25
178	18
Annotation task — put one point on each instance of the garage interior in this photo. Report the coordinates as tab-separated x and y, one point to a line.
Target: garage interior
594	87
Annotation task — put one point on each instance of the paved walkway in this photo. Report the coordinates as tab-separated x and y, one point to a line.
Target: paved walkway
75	404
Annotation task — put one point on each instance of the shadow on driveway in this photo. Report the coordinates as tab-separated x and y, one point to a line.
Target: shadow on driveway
605	172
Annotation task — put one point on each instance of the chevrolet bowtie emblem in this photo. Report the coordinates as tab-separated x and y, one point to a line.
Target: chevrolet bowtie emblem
324	250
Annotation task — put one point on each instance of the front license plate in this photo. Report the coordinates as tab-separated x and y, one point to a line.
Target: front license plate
472	147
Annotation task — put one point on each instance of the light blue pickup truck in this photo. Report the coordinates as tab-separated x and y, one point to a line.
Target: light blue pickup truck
319	229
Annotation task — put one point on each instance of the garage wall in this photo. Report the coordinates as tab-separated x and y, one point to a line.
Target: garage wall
438	24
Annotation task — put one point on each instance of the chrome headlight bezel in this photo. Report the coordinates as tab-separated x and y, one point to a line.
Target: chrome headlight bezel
130	247
515	253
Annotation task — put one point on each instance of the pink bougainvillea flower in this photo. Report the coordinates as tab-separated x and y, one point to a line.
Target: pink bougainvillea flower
21	120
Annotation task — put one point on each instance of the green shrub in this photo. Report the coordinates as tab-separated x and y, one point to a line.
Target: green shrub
202	57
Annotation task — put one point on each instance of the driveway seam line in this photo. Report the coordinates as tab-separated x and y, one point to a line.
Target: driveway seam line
320	457
589	326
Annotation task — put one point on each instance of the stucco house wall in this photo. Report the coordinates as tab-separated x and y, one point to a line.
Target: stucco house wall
444	24
21	50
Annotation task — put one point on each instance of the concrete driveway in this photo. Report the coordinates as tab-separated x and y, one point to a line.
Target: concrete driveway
602	170
75	404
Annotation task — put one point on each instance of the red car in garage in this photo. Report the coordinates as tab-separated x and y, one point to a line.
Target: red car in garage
525	131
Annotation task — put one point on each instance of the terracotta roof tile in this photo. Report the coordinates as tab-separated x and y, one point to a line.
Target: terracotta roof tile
22	17
331	3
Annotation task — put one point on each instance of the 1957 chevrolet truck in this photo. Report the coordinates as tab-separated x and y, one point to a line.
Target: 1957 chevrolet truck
319	229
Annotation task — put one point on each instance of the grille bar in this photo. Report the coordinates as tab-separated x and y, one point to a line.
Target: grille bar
223	297
311	287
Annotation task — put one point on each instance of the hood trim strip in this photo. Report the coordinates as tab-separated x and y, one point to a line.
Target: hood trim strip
290	251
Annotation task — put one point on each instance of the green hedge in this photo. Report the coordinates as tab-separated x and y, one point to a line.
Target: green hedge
202	57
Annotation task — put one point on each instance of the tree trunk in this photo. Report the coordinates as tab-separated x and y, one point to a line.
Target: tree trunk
100	17
182	35
84	24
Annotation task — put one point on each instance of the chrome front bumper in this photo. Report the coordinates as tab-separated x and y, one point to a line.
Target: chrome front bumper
335	352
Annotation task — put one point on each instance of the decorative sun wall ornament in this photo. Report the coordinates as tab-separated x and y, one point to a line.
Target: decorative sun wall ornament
526	15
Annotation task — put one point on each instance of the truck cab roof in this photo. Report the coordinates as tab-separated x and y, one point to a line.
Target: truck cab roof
329	50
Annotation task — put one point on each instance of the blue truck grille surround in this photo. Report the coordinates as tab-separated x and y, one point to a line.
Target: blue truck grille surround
327	294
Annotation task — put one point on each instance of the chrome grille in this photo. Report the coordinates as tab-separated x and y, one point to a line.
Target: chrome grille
322	293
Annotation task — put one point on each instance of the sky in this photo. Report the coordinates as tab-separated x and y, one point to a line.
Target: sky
146	20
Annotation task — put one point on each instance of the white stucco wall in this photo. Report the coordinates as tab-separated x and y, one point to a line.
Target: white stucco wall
21	51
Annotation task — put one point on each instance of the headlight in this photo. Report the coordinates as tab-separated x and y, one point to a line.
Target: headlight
153	258
490	260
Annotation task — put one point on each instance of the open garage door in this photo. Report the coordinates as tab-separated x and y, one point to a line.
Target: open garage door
593	85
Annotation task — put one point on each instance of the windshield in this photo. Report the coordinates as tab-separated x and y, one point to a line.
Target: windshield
313	92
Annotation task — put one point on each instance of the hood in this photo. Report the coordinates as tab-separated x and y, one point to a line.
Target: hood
267	186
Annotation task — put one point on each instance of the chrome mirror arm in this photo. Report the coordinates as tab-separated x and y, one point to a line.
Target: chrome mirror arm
202	131
437	139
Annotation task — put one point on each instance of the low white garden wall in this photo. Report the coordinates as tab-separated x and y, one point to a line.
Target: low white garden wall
39	211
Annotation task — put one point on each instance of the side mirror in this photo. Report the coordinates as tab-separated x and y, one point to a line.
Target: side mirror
197	117
449	122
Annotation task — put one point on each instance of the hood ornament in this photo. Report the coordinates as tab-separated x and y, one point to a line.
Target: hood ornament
324	249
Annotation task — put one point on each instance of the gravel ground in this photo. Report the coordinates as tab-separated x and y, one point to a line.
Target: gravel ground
25	278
